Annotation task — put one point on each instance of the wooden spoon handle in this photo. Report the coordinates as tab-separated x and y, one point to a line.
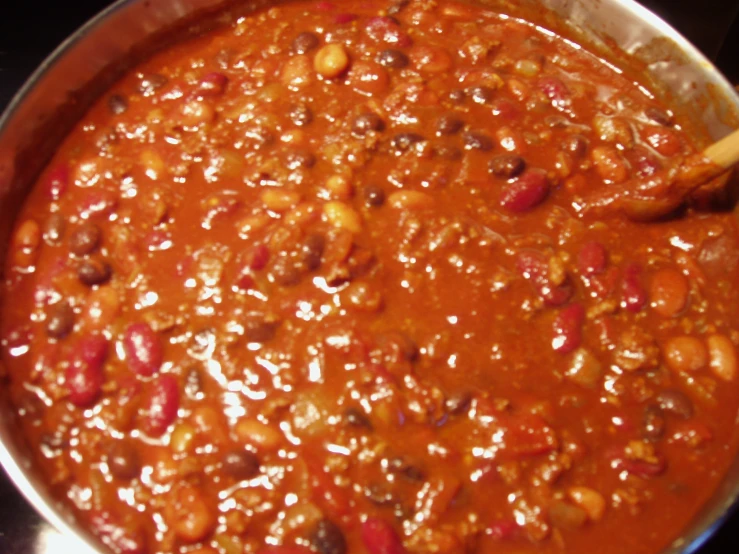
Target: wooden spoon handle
724	153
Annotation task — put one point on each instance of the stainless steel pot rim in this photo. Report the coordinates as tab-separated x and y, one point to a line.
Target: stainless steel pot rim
51	510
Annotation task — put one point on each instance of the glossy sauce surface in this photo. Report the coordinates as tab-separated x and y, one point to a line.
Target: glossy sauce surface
324	281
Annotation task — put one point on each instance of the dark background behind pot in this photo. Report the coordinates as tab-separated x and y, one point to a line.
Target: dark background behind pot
31	29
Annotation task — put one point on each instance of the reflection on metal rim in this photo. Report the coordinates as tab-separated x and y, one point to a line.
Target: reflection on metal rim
58	92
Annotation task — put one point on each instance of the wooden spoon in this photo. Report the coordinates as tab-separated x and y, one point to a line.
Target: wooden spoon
649	198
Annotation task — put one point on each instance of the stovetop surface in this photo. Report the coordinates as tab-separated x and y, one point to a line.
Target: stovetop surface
31	29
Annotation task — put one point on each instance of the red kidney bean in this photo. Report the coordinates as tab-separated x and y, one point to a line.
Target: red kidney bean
592	259
245	281
504	109
212	84
343	18
526	192
256	257
57	182
502	529
143	349
665	141
525	435
84	375
535	267
325	6
379	537
642	161
387	30
640	468
555	90
161	404
54	229
98	202
568	328
605	283
633	293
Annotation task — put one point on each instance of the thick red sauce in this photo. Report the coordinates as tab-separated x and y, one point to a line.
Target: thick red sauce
325	281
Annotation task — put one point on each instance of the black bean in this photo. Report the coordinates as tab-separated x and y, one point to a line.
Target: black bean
295	159
577	145
457	96
660	116
447	152
653	424
367	122
449	124
507	165
373	196
400	467
675	402
60	320
150	83
458	402
241	464
480	94
259	329
327	538
117	104
405	346
94	272
477	141
357	418
284	272
85	239
393	58
305	42
300	115
123	460
54	228
312	250
402	142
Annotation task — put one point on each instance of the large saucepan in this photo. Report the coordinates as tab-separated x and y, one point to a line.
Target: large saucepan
59	92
